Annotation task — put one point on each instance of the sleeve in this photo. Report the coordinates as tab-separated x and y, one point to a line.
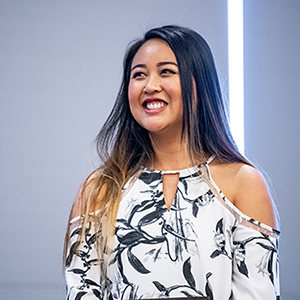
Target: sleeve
82	271
255	264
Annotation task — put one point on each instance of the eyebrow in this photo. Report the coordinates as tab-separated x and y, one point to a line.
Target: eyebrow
159	64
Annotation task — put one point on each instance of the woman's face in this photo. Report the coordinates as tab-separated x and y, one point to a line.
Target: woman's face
154	90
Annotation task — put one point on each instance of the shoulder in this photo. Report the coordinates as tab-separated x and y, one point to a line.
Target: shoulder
253	196
246	188
87	196
246	178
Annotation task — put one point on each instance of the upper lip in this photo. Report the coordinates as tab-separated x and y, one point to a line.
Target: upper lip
152	100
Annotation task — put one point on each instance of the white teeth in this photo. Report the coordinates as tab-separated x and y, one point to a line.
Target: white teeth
154	105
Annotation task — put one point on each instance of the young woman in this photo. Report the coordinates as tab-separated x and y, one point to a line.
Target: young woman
174	210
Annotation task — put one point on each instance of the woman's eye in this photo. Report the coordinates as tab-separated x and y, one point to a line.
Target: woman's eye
168	71
138	74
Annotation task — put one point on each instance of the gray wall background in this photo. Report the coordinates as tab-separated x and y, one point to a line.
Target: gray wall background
60	69
272	123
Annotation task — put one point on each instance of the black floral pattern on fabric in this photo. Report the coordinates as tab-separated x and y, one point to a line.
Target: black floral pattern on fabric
152	211
219	239
83	254
195	239
191	284
265	265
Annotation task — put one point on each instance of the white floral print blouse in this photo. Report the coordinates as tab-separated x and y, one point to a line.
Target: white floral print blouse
203	246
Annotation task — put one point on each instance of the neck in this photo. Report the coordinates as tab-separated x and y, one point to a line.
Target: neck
171	153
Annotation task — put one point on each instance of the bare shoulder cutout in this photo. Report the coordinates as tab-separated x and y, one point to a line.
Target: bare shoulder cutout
82	203
244	186
253	197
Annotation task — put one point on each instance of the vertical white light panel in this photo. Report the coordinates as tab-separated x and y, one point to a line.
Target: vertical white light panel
236	70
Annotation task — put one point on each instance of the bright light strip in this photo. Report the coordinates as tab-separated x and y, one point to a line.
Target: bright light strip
236	70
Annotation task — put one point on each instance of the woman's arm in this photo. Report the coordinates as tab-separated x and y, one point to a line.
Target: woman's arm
82	267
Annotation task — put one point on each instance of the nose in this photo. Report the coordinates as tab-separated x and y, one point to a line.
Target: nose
153	85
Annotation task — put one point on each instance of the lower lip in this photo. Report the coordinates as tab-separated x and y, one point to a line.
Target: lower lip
156	110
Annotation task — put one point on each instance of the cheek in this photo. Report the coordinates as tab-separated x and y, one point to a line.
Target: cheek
133	99
174	88
133	93
129	91
176	94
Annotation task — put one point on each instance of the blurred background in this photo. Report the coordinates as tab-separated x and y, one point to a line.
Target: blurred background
60	70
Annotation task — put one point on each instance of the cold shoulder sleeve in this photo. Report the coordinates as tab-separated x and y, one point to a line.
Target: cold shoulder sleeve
255	264
254	247
82	272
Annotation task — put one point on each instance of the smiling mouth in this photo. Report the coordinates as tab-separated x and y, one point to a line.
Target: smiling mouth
154	105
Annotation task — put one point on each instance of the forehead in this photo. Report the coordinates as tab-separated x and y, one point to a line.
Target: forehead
154	50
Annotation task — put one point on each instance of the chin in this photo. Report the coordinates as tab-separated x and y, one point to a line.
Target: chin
154	127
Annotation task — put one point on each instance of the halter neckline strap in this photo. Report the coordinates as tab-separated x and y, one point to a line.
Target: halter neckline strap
183	171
